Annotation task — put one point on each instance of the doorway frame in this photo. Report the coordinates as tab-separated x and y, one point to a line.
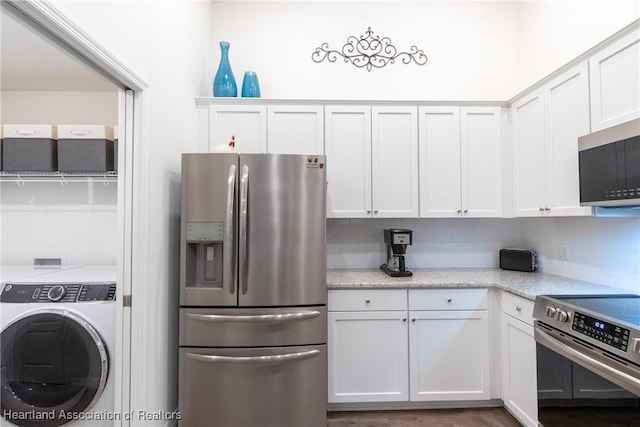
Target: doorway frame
52	23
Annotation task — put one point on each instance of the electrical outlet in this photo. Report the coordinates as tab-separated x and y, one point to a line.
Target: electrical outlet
564	251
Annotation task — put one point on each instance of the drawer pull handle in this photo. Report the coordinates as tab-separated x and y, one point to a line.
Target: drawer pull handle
254	318
518	309
276	358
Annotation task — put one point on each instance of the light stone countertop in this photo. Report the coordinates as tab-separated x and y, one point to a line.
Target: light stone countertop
527	285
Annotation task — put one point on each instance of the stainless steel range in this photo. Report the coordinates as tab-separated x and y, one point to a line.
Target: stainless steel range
588	359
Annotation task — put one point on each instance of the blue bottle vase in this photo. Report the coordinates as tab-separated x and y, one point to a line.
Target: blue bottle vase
224	84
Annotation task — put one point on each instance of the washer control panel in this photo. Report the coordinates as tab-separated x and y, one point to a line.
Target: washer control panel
58	292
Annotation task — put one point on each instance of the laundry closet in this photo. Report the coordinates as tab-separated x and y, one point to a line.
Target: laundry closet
61	303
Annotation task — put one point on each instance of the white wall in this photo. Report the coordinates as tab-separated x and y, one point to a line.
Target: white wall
437	243
477	50
470	45
59	108
166	44
552	33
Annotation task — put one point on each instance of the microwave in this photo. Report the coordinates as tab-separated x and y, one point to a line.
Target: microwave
609	166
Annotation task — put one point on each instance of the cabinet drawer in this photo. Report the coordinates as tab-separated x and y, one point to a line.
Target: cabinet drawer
447	299
367	299
517	307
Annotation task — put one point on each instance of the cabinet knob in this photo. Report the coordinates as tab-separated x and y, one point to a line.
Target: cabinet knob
518	309
547	208
367	301
449	300
541	209
465	211
368	211
404	319
413	319
375	212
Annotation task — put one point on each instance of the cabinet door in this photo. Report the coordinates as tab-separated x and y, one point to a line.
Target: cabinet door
529	157
449	355
615	86
566	118
247	123
394	154
519	385
367	356
439	152
348	149
295	129
481	160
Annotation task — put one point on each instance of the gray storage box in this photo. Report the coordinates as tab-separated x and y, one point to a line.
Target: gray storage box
85	148
29	148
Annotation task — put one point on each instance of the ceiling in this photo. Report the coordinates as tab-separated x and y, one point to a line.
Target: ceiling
31	61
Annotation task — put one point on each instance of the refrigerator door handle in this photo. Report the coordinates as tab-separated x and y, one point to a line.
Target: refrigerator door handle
229	256
302	315
244	206
278	358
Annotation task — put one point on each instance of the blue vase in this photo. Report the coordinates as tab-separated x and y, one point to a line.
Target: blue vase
224	84
250	85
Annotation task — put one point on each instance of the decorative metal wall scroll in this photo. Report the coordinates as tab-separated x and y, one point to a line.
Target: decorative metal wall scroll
369	51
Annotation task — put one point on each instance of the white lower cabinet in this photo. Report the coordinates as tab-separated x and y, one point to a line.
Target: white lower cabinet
449	355
383	349
519	383
368	356
367	346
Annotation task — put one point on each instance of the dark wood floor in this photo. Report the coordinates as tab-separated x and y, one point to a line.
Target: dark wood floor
481	417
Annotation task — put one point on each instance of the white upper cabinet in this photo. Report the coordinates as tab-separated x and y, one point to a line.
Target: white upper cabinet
566	118
529	158
615	83
481	162
372	161
546	126
246	123
394	155
348	150
460	162
439	162
295	129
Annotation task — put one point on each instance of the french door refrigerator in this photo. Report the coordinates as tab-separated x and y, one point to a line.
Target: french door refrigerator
253	324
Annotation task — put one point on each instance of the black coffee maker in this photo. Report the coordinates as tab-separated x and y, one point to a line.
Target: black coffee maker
396	240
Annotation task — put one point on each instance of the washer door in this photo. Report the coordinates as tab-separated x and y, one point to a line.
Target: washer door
54	367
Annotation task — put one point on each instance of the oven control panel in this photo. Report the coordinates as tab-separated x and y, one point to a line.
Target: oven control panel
605	332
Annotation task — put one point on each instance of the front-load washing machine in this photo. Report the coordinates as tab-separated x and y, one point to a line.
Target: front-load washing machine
57	348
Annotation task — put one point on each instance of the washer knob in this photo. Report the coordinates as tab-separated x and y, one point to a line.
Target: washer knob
56	293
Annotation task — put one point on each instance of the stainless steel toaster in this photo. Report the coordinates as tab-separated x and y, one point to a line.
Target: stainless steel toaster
518	260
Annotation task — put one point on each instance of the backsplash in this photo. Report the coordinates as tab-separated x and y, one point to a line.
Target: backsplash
437	243
600	250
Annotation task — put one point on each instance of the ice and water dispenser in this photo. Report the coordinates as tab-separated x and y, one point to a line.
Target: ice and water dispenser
204	242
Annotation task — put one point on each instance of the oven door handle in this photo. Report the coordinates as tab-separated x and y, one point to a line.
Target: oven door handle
622	379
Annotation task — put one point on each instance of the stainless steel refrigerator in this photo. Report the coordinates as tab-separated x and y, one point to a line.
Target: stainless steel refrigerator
253	324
